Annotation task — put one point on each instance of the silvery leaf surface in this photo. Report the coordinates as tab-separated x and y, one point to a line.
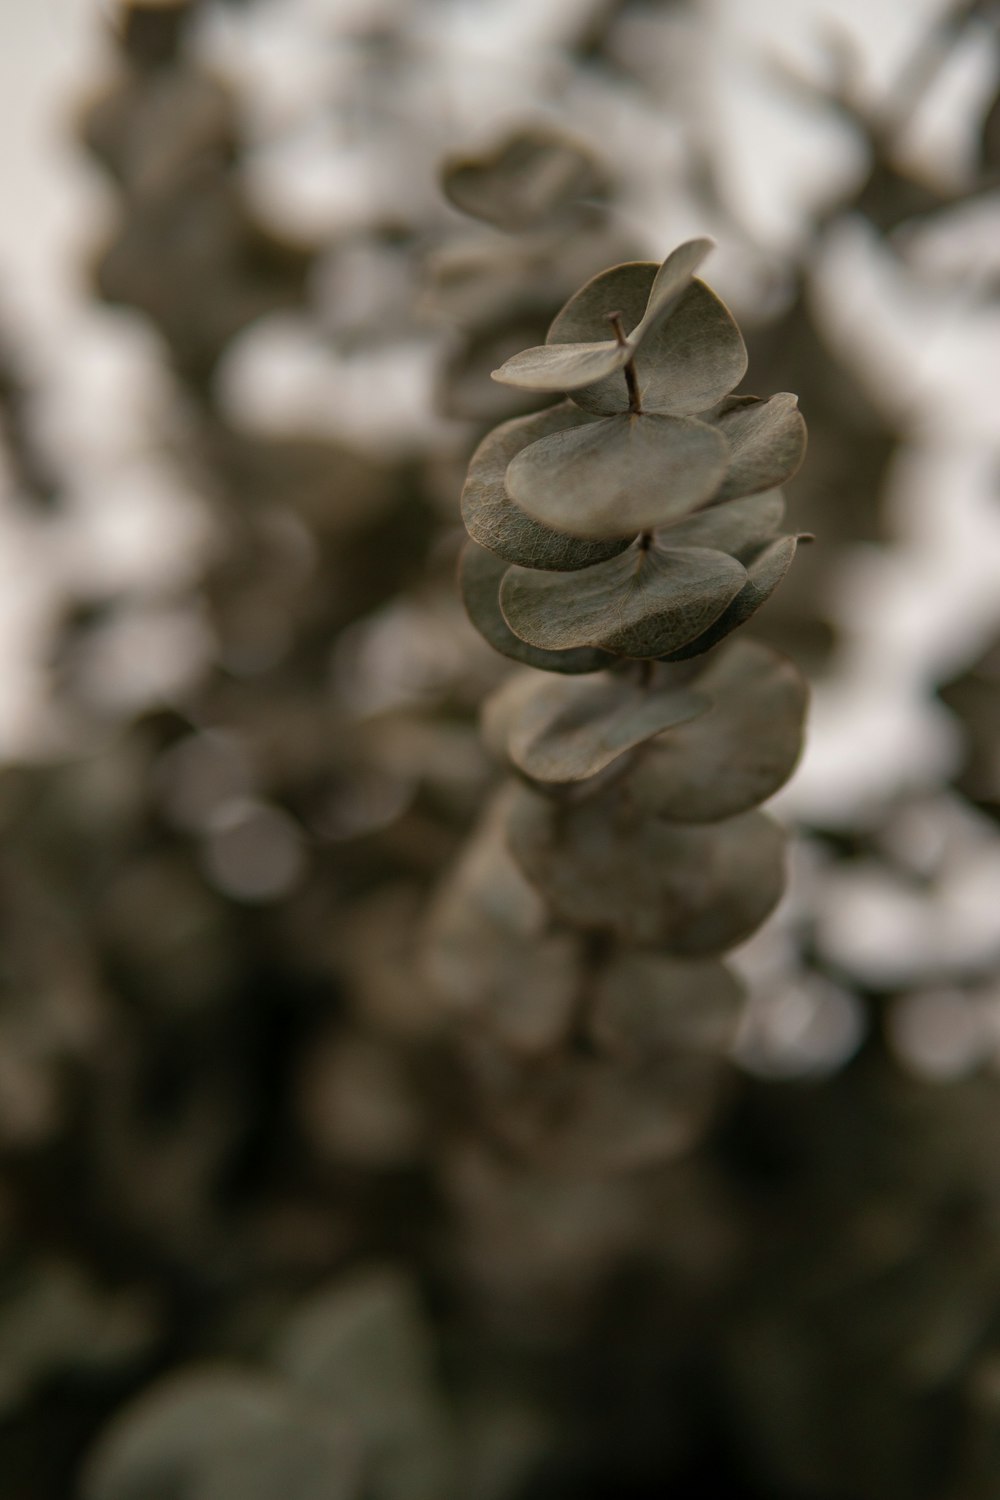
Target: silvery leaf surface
562	367
670	283
740	527
691	358
570	730
631	605
763	576
494	521
619	475
621	289
767	441
734	756
479	575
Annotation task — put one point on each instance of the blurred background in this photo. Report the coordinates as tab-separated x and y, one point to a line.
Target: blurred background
259	1236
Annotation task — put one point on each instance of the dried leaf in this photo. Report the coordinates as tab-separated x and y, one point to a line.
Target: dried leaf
768	443
619	475
568	731
479	574
494	521
736	755
691	889
631	604
623	289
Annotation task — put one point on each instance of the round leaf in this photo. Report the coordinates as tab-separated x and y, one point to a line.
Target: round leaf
736	755
567	731
692	357
630	605
691	889
645	1004
763	576
767	441
479	575
619	475
739	527
562	367
494	521
623	289
670	283
528	178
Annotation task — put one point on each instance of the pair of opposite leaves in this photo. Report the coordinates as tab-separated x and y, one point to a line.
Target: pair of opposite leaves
566	490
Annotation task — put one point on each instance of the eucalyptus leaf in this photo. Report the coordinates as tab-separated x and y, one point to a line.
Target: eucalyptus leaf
767	441
734	756
740	527
691	358
632	604
480	574
621	289
646	1003
494	521
763	576
692	889
568	731
618	475
562	367
529	177
670	283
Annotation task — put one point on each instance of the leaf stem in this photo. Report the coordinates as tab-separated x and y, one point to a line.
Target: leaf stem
631	379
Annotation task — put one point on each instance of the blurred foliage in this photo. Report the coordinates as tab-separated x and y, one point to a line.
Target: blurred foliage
278	1215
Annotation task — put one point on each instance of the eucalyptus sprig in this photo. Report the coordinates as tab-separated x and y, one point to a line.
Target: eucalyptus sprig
617	538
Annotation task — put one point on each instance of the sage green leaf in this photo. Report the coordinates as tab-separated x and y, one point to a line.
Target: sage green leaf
630	604
479	574
734	756
562	367
671	281
692	357
646	1004
693	889
763	576
740	527
621	289
768	443
529	177
494	521
567	731
618	475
